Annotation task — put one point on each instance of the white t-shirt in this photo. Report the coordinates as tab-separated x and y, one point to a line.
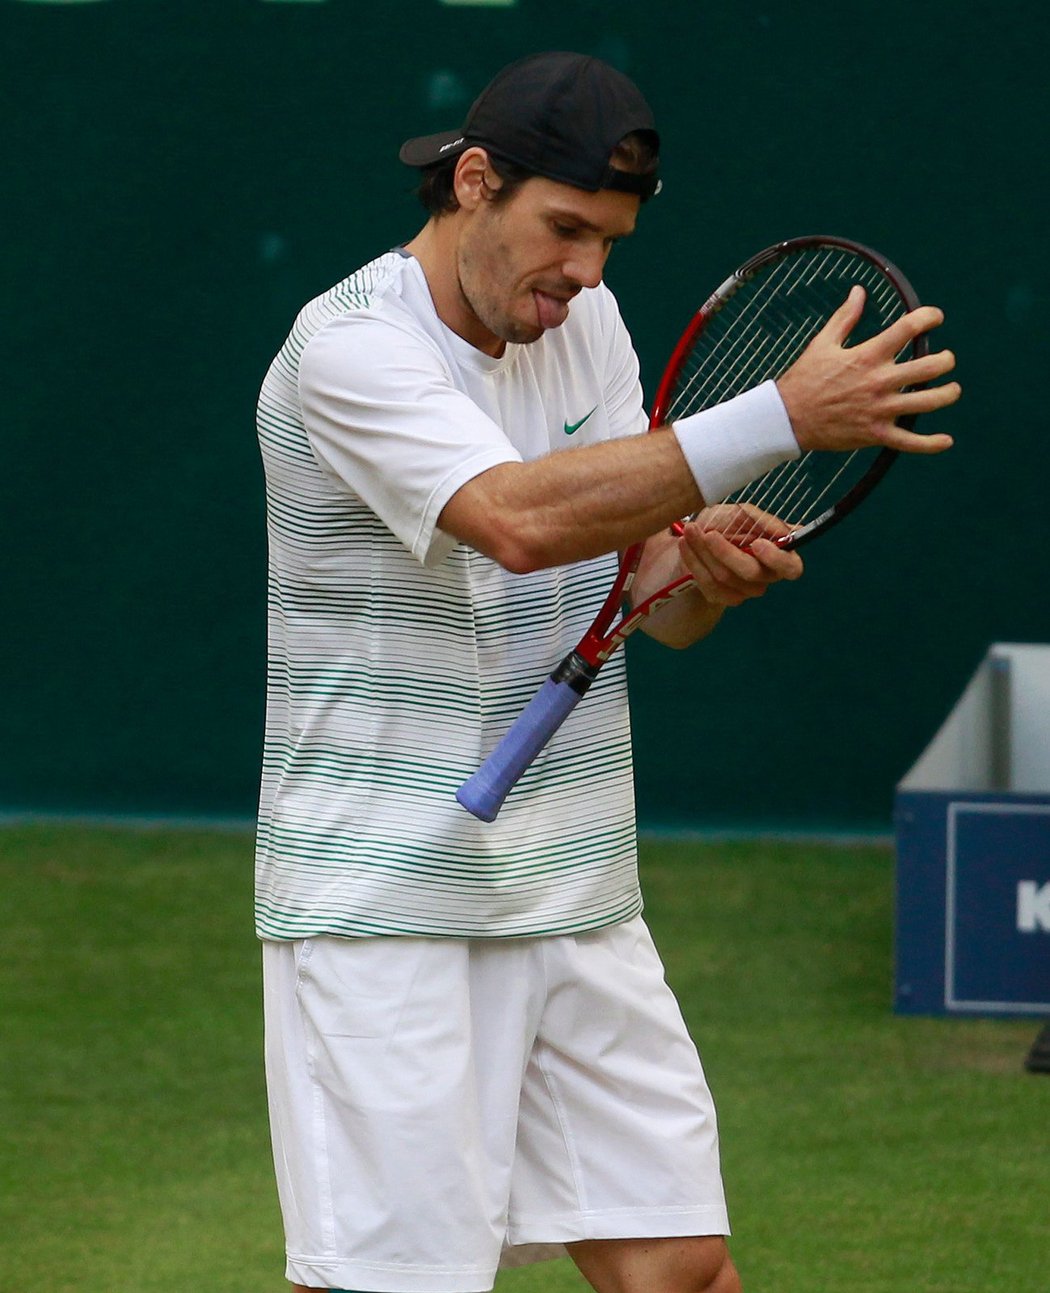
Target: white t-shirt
398	657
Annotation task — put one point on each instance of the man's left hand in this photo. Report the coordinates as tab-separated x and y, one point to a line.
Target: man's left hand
727	574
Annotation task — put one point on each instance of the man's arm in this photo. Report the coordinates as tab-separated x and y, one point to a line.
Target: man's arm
575	504
601	498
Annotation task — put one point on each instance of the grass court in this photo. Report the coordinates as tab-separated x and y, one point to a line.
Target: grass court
861	1151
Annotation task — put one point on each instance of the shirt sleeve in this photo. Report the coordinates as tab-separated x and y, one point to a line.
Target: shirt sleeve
383	416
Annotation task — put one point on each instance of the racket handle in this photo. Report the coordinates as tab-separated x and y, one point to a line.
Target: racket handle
483	793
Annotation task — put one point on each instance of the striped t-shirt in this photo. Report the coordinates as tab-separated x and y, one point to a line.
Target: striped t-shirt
398	657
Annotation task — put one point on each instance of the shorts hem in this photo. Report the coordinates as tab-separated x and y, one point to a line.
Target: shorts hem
620	1223
386	1277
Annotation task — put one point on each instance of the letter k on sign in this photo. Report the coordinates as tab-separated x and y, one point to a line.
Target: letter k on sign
1033	907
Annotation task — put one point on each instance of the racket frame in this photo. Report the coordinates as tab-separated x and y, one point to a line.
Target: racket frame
885	459
483	793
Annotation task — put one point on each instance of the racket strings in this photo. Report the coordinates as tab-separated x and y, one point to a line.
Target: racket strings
759	331
717	368
763	345
739	357
796	495
788	491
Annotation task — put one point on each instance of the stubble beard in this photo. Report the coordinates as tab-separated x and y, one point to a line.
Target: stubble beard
479	288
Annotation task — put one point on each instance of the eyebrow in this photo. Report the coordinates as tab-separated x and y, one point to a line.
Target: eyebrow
564	213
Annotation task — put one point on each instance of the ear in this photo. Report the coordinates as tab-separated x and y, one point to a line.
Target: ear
469	178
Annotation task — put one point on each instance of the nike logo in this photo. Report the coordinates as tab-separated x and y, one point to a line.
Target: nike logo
572	427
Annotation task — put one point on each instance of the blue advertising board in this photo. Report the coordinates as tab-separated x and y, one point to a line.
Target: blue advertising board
973	903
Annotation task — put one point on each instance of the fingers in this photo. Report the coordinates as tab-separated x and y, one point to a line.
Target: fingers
777	563
892	340
763	524
728	575
845	318
927	368
903	402
912	403
928	399
912	442
916	372
842	397
742	523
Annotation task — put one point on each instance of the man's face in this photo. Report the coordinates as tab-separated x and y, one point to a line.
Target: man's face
521	261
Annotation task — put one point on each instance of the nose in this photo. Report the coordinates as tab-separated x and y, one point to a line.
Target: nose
586	265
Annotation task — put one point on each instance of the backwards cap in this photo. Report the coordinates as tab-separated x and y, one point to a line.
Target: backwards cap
556	114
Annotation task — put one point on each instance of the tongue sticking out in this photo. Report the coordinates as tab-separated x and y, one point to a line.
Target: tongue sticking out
551	311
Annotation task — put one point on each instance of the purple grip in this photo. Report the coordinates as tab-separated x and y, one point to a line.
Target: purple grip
483	794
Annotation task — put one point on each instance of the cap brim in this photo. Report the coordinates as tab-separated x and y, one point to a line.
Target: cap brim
426	150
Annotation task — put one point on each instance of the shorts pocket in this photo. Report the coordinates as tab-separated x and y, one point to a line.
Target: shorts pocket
355	987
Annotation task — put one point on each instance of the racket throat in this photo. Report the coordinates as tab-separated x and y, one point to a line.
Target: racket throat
576	672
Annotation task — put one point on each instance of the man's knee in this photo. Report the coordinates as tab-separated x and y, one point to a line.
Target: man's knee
691	1264
720	1273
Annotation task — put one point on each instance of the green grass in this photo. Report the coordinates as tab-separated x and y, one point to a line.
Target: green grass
861	1151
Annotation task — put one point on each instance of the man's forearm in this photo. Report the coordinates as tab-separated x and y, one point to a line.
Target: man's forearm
574	505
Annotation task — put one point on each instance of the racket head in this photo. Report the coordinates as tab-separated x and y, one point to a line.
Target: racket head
751	330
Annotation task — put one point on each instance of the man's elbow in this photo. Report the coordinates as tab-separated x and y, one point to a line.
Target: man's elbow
493	515
519	549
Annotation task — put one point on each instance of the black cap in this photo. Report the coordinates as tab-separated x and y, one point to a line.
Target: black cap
558	115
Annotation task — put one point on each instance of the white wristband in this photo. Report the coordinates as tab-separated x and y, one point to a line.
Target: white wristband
736	442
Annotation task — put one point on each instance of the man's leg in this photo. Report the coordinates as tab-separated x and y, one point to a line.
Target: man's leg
696	1264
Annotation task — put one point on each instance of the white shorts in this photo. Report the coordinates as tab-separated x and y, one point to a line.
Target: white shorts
438	1105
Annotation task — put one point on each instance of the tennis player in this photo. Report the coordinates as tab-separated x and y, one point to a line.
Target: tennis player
472	1055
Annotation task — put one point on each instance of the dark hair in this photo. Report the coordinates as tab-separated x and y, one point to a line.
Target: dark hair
635	153
437	190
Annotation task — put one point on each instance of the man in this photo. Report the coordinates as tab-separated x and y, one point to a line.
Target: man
470	1047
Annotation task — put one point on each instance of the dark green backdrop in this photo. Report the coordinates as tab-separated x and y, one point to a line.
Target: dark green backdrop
180	175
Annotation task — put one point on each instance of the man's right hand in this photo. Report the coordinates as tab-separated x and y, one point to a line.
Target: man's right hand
843	397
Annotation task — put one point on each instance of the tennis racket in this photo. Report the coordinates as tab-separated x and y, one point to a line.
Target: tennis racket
750	330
